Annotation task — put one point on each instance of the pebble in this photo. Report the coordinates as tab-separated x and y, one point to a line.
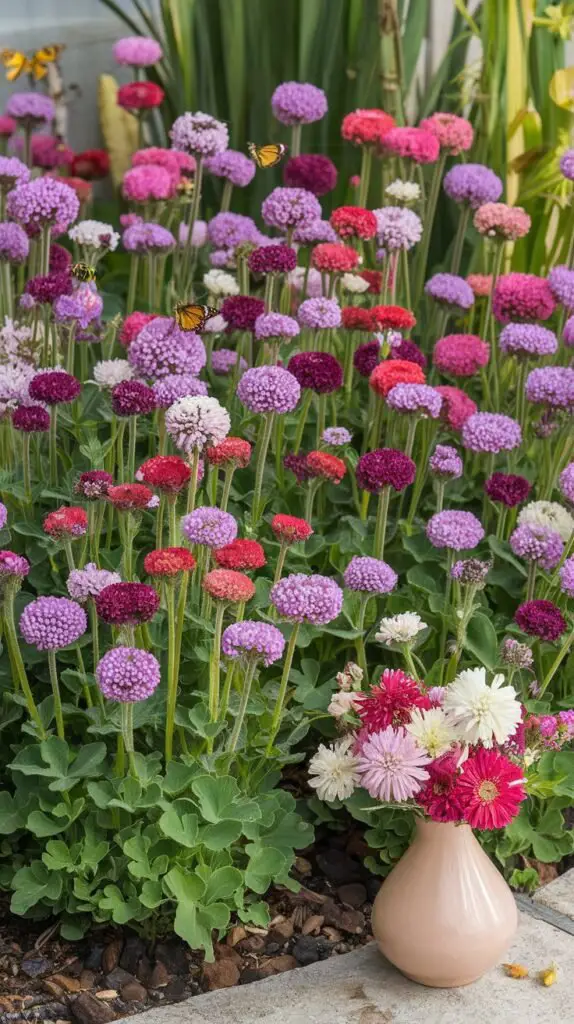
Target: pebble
174	954
133	992
303	866
176	990
111	955
34	966
86	1009
312	926
308	949
118	977
354	894
252	944
65	982
221	974
159	976
236	934
281	932
352	921
283	963
87	979
134	949
338	867
93	958
332	934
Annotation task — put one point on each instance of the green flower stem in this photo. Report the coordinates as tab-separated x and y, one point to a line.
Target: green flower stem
229	675
67	545
411	431
188	255
556	664
430	209
409	662
302	419
440	485
95	631
246	690
321	417
278	441
312	488
83	674
159	521
501	523
227	478
366	165
295	140
360	641
130	530
226	196
132	438
280	561
133	283
444	629
56	692
173	656
488	332
268	292
19	676
26	468
459	240
531	580
278	711
120	764
7	289
127	716
53	446
377	422
192	487
256	510
172	519
381	522
215	663
120	450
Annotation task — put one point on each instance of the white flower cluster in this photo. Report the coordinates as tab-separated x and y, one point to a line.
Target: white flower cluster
109	372
403	191
196	421
95	235
218	282
400	629
354	283
548	513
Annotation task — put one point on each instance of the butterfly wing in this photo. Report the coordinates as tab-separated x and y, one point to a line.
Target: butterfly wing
42	57
189	316
267	156
15	63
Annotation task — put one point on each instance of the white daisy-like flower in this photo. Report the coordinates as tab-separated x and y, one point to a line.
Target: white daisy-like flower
354	283
218	282
432	730
548	513
333	770
342	702
109	372
400	629
95	234
196	421
481	713
403	191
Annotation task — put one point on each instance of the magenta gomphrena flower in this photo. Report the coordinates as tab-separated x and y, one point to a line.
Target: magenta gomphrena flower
269	389
314	599
522	297
566	577
319	314
162	349
561	281
127	604
446	463
132	398
491	432
460	355
137	51
455	530
12	564
31	107
417	398
566	482
146	182
7	126
541	619
168	389
385	467
319	371
507	488
14	244
398	228
12	173
527	340
392	766
3	515
336	436
473	184
241	311
232	165
285	208
567	164
253	641
43	201
50	623
537	544
298	103
415	144
209	526
147	237
88	582
128	674
370	576
196	421
224	359
47	288
455	134
199	134
272	259
315	173
568	332
54	387
552	386
275	325
450	290
31	419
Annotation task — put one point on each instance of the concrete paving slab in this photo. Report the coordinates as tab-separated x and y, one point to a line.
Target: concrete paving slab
363	988
558	895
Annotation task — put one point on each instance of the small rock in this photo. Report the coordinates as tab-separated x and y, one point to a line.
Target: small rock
236	934
308	949
159	976
281	932
35	966
221	974
52	988
87	979
303	866
354	894
175	991
66	983
86	1009
93	958
107	994
273	947
357	847
312	926
283	963
252	944
223	952
144	970
338	867
352	921
111	955
132	953
133	992
74	968
332	913
118	977
174	954
256	974
332	934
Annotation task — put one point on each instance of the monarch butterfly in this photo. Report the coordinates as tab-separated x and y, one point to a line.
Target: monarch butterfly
267	156
83	272
17	63
192	316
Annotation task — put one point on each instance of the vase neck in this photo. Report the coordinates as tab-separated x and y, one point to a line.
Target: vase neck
442	832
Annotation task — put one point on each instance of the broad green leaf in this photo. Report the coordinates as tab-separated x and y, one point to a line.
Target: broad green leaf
88	760
179	826
11	817
184	886
42	825
265	864
220	799
222	883
482	641
220	836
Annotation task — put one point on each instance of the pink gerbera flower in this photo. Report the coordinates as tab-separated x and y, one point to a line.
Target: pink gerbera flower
441	797
391	702
491	789
392	766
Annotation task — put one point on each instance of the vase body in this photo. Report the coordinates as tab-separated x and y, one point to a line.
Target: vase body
445	915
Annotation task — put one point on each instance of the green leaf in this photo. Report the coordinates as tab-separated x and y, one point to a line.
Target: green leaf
482	641
185	887
88	760
179	826
178	777
220	799
265	864
42	825
222	883
220	836
57	856
32	885
11	817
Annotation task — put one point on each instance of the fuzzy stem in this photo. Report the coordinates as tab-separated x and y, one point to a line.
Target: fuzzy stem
56	692
172	665
366	165
17	664
247	681
278	711
381	523
260	467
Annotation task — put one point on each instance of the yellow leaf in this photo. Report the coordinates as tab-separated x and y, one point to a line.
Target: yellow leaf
548	976
119	128
561	88
516	970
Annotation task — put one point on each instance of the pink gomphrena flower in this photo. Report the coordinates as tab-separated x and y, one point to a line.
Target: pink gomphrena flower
455	134
137	51
66	522
461	355
498	220
522	297
481	284
366	127
229	586
331	258
416	144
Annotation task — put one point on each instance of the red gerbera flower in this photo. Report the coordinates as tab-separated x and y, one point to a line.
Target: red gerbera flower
330	467
391	702
392	318
355	318
491	789
240	554
440	796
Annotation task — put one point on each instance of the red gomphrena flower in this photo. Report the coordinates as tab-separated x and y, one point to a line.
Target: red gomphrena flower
327	466
31	419
366	127
54	387
395	371
82	188
132	325
391	702
290	529
491	789
228	585
374	279
355	318
127	604
140	96
331	258
169	562
354	222
90	164
392	318
167	473
66	522
241	554
129	497
231	451
93	484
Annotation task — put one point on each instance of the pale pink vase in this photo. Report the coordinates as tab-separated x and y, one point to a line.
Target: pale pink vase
445	915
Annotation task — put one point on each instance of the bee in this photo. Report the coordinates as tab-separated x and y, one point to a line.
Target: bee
82	272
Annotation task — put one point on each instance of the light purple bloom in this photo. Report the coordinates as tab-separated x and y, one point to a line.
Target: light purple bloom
418	398
567	482
287	207
14	244
209	526
319	313
392	766
43	201
13	172
128	674
454	529
12	564
474	184
227	230
198	235
491	432
275	325
314	231
200	134
450	290
567	164
69	308
551	385
568	332
253	641
30	106
168	389
3	515
336	436
561	281
567	577
88	582
370	575
147	237
537	544
195	421
137	51
269	389
397	228
161	349
52	622
314	599
527	340
298	103
446	462
224	359
232	165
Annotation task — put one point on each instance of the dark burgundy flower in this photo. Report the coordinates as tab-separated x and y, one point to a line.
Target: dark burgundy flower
385	467
127	604
54	387
542	619
31	419
93	484
60	258
507	488
299	467
91	164
319	371
132	398
48	287
410	352
272	259
241	312
311	171
366	358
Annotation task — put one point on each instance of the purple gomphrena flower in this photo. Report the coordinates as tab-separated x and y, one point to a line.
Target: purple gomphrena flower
162	349
319	314
70	308
318	371
128	674
561	281
527	340
88	582
30	107
3	515
313	232
194	422
147	237
137	51
199	134
31	419
168	389
50	623
12	173
275	325
272	259
314	599
298	103
209	526
336	436
370	576
228	230
315	173
567	482
14	244
445	462
253	641
473	184
13	565
417	398
232	165
398	228
455	530
224	359
566	577
552	386
268	389
537	544
491	432
541	619
285	208
43	201
567	164
507	488
132	398
471	572
385	467
54	387
450	290
568	332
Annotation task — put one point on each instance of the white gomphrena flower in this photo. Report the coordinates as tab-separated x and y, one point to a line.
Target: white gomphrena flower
400	629
215	325
333	770
342	702
110	372
196	421
94	234
219	282
481	713
354	283
432	730
403	191
548	513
